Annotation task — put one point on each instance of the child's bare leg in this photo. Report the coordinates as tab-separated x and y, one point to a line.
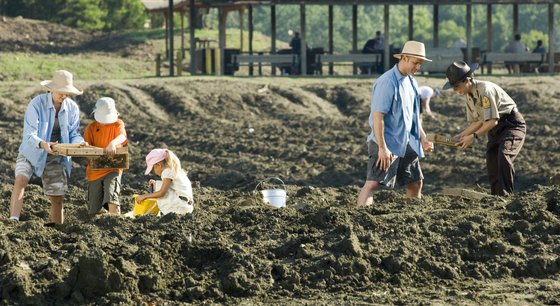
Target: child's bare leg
114	209
16	202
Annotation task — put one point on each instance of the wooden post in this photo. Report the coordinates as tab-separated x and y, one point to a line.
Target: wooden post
272	37
387	52
179	62
469	33
219	54
551	38
166	34
250	37
436	25
192	42
489	36
158	65
410	22
171	36
515	14
183	33
354	35
303	53
331	31
241	13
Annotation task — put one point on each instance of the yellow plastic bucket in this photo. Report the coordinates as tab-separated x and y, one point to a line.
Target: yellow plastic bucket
144	207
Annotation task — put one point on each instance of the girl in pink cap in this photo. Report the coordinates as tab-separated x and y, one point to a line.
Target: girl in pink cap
174	192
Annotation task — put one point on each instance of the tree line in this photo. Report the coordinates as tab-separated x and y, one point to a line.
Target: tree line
110	15
103	15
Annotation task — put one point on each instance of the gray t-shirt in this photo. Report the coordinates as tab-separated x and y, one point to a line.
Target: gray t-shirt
55	135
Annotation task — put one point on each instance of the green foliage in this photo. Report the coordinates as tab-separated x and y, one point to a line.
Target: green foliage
84	14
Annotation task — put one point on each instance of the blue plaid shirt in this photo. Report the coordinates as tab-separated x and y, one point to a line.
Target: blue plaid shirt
38	126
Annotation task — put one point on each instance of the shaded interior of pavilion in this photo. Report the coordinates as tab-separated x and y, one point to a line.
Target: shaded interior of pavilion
188	10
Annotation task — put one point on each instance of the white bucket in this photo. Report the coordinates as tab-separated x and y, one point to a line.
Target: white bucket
274	197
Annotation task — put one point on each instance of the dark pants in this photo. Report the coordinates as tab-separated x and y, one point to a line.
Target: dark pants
504	143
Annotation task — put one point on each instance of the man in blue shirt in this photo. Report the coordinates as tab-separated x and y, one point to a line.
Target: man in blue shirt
50	118
397	140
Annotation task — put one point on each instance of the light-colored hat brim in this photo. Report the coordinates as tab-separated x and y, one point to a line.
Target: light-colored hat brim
106	118
399	55
69	89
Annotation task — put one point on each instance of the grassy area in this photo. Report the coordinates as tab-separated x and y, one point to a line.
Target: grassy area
86	66
95	66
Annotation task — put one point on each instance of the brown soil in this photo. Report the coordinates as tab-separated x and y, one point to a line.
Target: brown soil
320	249
28	35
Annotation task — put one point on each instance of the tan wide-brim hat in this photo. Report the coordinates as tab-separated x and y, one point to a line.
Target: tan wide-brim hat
62	82
414	49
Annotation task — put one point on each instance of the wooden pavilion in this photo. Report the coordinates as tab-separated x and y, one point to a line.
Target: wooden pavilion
225	6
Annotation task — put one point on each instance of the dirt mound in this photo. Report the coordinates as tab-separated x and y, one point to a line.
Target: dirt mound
21	34
231	135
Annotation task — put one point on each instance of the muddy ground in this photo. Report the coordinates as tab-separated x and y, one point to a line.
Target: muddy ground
232	134
318	250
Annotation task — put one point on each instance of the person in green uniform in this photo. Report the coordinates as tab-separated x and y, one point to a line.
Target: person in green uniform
492	112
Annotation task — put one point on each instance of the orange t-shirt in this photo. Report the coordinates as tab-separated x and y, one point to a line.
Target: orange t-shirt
100	135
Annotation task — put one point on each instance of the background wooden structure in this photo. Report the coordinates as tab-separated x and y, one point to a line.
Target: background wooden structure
226	6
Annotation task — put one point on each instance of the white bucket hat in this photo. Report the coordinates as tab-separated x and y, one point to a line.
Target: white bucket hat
62	81
414	49
105	111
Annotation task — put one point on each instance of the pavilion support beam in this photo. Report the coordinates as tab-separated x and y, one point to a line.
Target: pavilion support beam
354	34
551	38
410	22
251	29
183	33
303	51
192	40
273	34
515	19
489	35
171	37
331	33
166	22
241	13
436	25
469	33
387	51
222	16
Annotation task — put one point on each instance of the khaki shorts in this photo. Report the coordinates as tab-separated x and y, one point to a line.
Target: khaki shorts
104	191
403	170
55	179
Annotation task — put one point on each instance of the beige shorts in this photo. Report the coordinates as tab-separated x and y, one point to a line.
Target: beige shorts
55	179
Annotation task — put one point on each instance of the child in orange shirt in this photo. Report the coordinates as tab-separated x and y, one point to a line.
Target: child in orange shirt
107	132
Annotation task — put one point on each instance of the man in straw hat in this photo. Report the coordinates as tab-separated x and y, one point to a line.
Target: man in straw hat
50	118
397	140
490	111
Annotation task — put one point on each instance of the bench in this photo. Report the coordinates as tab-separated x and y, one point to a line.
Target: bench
367	60
441	59
493	58
282	60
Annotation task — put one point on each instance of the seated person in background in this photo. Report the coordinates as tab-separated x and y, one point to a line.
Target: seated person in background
374	45
516	46
539	48
426	94
295	44
459	43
